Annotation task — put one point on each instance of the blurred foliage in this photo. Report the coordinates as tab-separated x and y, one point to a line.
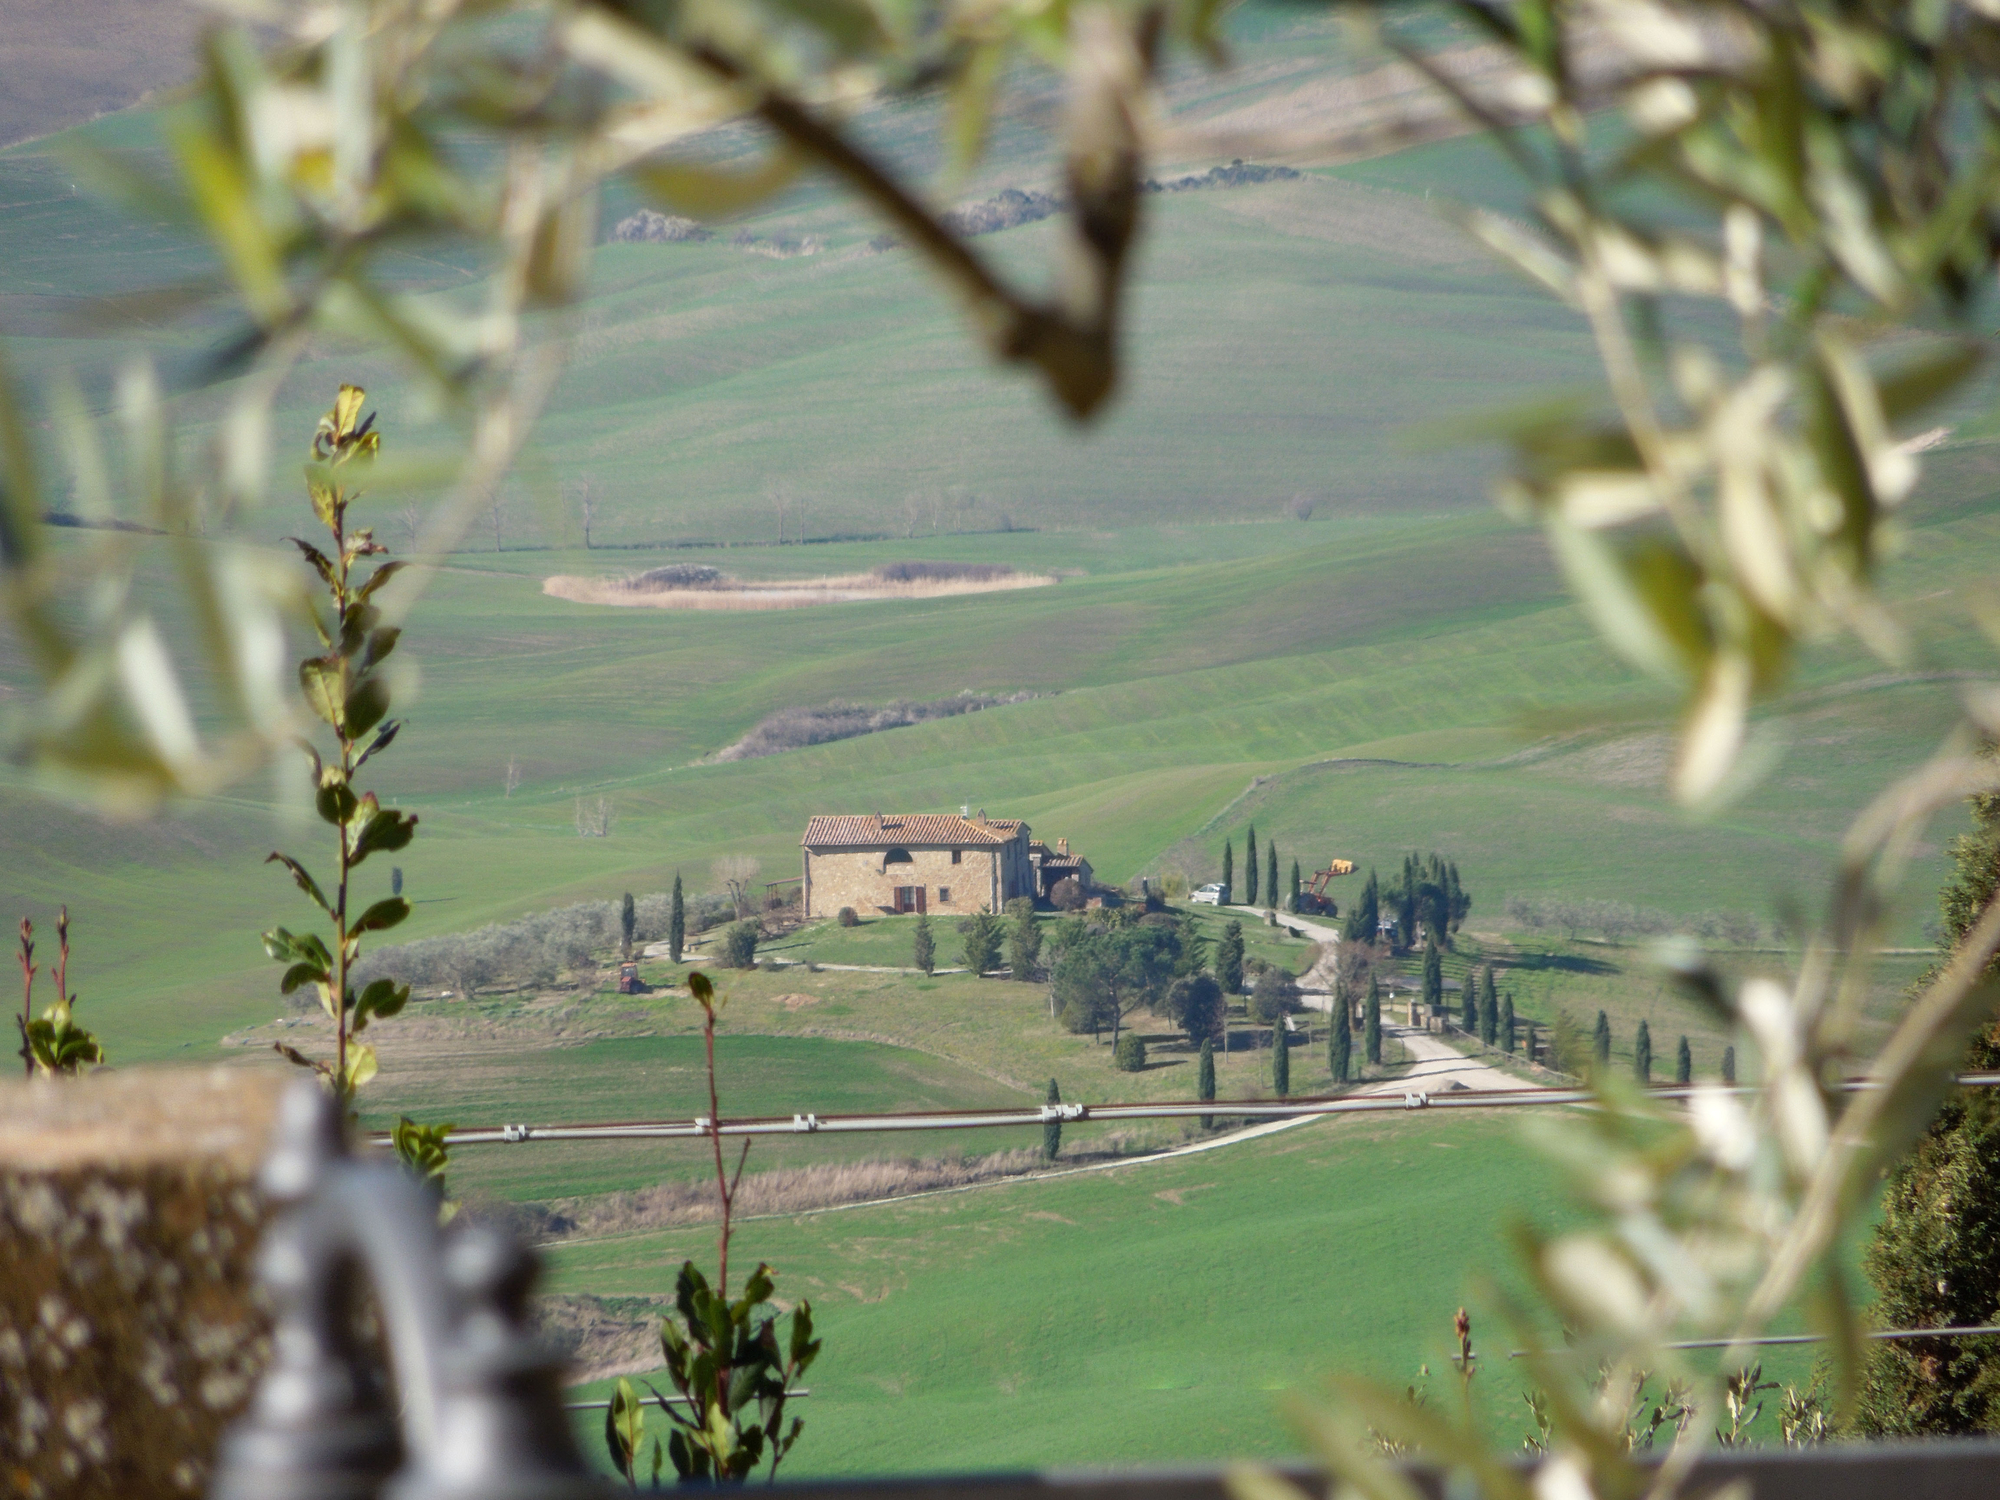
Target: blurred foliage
1827	175
323	140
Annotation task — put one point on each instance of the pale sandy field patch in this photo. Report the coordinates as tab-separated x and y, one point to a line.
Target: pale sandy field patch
779	593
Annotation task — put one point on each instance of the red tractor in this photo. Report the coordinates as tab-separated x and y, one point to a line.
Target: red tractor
1313	899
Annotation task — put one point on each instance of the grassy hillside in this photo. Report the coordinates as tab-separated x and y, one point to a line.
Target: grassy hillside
1441	646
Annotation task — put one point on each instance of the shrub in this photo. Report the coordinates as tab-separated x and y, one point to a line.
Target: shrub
923	948
1195	1003
1129	1056
795	728
1276	993
939	572
1067	894
847	918
981	932
739	945
1024	939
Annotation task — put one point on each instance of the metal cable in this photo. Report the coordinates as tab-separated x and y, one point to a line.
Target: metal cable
1882	1335
697	1127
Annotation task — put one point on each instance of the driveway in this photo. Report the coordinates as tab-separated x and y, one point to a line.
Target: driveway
1437	1064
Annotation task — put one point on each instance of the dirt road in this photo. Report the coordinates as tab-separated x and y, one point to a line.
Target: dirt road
1438	1065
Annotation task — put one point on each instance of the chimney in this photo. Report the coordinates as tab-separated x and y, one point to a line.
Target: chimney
982	815
1062	847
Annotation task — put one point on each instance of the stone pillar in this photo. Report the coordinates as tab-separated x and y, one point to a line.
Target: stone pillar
128	1222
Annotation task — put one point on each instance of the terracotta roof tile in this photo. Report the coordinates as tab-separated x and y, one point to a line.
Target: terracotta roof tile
867	830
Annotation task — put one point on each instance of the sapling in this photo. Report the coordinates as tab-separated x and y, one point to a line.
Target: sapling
52	1043
723	1357
346	687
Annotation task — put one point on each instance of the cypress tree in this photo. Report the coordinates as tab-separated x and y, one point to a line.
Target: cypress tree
1456	904
1406	915
1507	1023
1024	939
1600	1040
1433	993
1371	1026
1935	1257
1468	992
1052	1129
1683	1063
1340	1044
1229	871
1271	873
1489	1007
1205	1080
1281	1060
1295	885
1229	959
677	923
923	949
1367	913
1642	1054
628	925
1250	867
1729	1065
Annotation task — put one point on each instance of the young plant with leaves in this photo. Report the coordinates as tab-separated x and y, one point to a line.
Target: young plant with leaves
724	1356
346	687
52	1043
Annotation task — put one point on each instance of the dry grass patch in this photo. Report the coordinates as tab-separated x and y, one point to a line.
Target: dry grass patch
789	1190
696	586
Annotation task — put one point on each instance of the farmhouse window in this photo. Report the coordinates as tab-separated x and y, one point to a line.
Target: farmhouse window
897	857
956	855
944	895
910	898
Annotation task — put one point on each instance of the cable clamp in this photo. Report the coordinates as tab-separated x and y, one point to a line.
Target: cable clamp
515	1133
805	1123
1416	1101
702	1122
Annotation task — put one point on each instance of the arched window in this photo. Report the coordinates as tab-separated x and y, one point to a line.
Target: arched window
897	857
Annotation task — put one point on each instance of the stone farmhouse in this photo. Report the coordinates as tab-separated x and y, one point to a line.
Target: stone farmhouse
921	862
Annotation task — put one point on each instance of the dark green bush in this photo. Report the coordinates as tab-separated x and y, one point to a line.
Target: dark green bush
1129	1056
847	918
739	945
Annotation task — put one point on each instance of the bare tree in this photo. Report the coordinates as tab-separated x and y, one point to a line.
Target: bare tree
1301	507
512	778
586	508
914	505
498	511
593	819
734	873
411	516
781	498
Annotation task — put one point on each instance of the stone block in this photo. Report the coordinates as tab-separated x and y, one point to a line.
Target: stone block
129	1337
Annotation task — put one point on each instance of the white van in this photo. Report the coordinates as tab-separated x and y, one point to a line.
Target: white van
1210	895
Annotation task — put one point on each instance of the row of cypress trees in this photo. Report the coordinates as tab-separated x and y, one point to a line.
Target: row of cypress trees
1642	1053
1253	886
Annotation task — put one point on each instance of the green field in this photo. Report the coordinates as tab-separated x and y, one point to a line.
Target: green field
1150	1314
1402	671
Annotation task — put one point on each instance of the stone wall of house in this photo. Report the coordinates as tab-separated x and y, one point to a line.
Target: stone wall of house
129	1338
858	879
